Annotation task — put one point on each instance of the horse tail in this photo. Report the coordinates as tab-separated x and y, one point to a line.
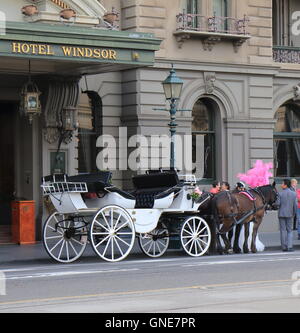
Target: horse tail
215	212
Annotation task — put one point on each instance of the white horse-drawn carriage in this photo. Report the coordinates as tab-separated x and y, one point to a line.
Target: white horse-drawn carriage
89	209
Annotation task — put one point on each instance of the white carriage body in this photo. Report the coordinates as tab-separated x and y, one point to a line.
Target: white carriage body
110	199
66	196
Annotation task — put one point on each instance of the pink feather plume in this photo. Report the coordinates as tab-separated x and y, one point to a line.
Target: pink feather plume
257	176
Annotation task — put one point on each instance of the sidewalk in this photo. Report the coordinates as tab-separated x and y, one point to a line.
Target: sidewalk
13	253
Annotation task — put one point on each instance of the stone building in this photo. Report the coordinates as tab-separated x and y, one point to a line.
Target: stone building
239	61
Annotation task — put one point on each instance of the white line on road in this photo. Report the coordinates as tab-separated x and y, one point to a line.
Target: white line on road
247	261
59	274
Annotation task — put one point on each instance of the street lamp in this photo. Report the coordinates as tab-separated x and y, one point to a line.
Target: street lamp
172	87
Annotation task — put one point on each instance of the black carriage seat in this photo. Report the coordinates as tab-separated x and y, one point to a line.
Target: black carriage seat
96	182
152	186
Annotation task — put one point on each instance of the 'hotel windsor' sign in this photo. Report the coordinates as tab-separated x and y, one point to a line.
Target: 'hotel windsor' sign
63	51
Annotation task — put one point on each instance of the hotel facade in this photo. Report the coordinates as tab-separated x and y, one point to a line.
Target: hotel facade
239	60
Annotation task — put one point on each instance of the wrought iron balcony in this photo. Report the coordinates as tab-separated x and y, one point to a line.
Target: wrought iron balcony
211	29
286	54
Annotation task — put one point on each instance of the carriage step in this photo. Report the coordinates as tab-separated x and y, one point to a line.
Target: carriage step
5	234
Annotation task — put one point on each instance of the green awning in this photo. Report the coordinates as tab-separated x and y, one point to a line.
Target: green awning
81	49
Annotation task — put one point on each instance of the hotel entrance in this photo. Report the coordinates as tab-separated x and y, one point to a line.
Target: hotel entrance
7	167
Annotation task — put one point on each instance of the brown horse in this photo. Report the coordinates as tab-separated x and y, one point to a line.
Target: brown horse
235	208
265	197
224	208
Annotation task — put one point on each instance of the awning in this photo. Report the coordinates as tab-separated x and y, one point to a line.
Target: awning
73	50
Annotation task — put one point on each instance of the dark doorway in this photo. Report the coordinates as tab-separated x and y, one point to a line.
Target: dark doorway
7	167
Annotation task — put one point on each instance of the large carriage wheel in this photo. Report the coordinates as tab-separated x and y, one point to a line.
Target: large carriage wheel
155	243
65	237
195	236
112	233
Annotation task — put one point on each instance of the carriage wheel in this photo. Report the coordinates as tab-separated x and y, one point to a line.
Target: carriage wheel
195	236
65	237
155	243
112	233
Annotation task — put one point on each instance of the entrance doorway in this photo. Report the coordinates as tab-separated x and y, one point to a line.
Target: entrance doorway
7	167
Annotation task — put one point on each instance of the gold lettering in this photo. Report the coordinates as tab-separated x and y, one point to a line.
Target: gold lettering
112	54
25	48
42	50
50	50
80	52
97	53
88	53
16	47
105	54
33	48
67	50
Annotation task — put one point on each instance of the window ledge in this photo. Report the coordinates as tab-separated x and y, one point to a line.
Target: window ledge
209	39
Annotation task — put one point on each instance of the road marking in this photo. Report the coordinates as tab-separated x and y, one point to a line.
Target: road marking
247	261
60	274
139	292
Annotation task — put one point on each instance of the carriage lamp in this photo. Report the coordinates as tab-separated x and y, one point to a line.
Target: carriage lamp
69	123
69	118
30	100
30	104
172	88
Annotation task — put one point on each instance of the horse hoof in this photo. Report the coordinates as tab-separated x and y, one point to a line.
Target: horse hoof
246	251
230	251
237	250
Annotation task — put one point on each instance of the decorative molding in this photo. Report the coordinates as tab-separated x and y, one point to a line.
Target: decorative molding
60	4
209	39
296	90
60	92
209	81
182	38
208	43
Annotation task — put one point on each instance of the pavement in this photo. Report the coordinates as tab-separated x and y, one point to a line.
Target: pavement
35	253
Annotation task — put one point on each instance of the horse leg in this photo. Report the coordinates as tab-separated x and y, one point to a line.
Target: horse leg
227	249
254	234
219	246
236	247
245	246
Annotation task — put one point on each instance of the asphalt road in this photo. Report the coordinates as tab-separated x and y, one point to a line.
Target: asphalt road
176	283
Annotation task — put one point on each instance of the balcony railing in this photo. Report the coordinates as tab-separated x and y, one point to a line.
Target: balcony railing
211	29
214	24
286	54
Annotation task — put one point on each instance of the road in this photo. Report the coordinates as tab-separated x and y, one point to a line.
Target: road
175	283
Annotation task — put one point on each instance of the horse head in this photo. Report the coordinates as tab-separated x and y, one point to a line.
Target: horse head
270	195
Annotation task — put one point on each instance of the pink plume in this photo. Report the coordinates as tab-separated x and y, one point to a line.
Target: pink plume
257	176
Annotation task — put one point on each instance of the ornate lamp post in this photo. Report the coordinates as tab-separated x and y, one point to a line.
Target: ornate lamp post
172	87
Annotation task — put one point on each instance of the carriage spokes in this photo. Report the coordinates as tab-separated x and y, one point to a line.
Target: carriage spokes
195	236
155	243
112	233
65	237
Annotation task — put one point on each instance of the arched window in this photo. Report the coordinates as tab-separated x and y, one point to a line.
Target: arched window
287	141
90	128
203	139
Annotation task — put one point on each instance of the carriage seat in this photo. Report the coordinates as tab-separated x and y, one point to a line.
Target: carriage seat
152	186
96	182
